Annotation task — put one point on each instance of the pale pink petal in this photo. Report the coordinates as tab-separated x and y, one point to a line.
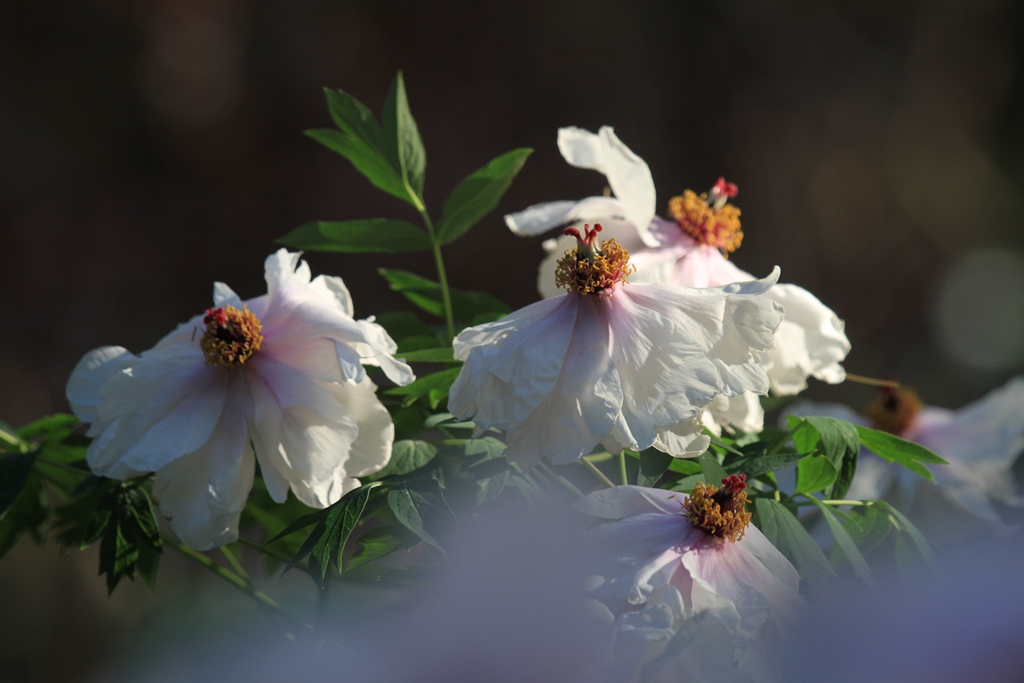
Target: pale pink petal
225	296
627	501
539	218
743	412
810	342
372	448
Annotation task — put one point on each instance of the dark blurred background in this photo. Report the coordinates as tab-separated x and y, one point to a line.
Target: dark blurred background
150	148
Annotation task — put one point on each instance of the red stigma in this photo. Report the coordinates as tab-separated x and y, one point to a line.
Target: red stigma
215	315
588	237
734	484
723	188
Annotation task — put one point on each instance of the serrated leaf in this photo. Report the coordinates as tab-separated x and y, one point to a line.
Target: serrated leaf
300	523
787	534
14	471
439	381
339	522
407	455
371	235
846	543
419	505
378	542
427	295
441	355
835	439
815	474
894	449
479	194
401	137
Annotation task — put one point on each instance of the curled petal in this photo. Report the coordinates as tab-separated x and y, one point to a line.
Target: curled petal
810	342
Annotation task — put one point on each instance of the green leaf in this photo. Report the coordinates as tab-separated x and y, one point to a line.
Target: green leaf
300	523
845	542
366	159
427	295
14	471
372	235
441	355
419	505
757	465
402	138
814	474
407	456
378	542
907	528
478	194
341	519
714	473
894	449
836	439
27	514
653	464
868	526
435	386
52	427
784	530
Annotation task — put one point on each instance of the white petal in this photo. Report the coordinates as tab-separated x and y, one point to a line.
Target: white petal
337	290
165	405
743	412
203	493
810	342
628	175
539	218
379	350
583	403
492	388
627	501
301	431
225	296
372	448
91	374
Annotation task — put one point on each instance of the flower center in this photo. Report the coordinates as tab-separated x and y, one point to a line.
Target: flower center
709	218
592	267
232	336
895	410
720	512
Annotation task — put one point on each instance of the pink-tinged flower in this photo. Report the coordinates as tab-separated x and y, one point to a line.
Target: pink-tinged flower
280	377
689	250
981	442
626	366
676	563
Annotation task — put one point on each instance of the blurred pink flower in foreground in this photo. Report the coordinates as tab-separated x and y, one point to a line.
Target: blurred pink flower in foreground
611	363
698	589
981	441
689	250
281	374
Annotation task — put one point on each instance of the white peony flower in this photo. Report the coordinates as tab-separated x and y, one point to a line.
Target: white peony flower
981	442
691	568
689	251
282	374
626	366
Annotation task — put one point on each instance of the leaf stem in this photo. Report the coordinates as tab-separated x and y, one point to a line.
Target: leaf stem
235	564
267	551
442	277
569	486
622	468
599	473
232	578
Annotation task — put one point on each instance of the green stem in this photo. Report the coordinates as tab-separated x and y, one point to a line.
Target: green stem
561	480
235	564
232	578
848	502
622	468
62	466
277	555
599	473
442	277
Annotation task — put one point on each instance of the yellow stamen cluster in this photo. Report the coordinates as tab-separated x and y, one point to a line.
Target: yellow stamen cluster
611	264
722	516
231	337
895	410
715	227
